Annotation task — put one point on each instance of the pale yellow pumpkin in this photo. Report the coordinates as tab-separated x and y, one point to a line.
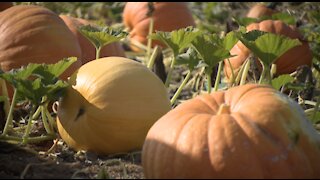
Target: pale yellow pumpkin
111	105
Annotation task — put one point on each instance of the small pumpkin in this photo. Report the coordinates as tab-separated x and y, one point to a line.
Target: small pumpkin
259	10
88	50
111	105
287	63
34	34
249	131
168	16
5	5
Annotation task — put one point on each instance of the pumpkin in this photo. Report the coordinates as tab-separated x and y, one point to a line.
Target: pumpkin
111	105
5	5
259	10
249	131
287	63
168	16
34	34
87	48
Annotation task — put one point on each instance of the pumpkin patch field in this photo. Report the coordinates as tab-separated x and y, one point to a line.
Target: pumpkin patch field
157	90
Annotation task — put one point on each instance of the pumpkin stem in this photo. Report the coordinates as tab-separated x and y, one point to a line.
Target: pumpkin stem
224	109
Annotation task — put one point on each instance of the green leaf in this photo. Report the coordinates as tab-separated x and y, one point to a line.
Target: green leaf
244	21
50	72
101	36
177	40
286	18
190	58
211	53
281	81
230	40
267	46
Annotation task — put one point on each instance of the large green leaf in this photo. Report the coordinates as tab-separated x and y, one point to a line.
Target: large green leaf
267	46
281	81
190	58
101	36
50	72
230	40
244	21
211	53
177	40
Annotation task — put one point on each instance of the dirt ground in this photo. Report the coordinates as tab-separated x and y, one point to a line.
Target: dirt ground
32	162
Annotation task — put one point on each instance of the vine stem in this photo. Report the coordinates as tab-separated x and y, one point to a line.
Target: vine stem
209	82
28	129
9	123
184	82
265	74
6	95
151	25
98	49
245	72
173	62
153	57
216	83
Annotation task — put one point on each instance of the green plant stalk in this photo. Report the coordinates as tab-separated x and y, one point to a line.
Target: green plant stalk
232	72
173	62
153	57
5	93
28	129
209	82
151	25
265	74
52	122
44	120
98	49
218	77
245	72
316	108
9	123
184	82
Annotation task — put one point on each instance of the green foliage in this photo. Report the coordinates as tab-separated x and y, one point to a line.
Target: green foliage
177	40
281	80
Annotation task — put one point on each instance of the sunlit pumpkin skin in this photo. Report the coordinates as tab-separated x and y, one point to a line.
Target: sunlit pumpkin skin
111	106
257	133
287	63
34	34
5	5
88	50
259	10
168	16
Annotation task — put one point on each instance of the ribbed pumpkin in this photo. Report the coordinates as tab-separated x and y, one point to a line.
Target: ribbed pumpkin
287	63
5	5
34	34
168	16
88	50
111	105
249	131
259	10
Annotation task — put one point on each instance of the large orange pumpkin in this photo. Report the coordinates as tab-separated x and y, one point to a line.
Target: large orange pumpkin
88	50
287	63
259	10
249	131
34	34
168	16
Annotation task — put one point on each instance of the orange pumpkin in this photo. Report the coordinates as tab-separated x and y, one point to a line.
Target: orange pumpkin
259	10
287	63
34	34
88	50
249	131
5	5
168	16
